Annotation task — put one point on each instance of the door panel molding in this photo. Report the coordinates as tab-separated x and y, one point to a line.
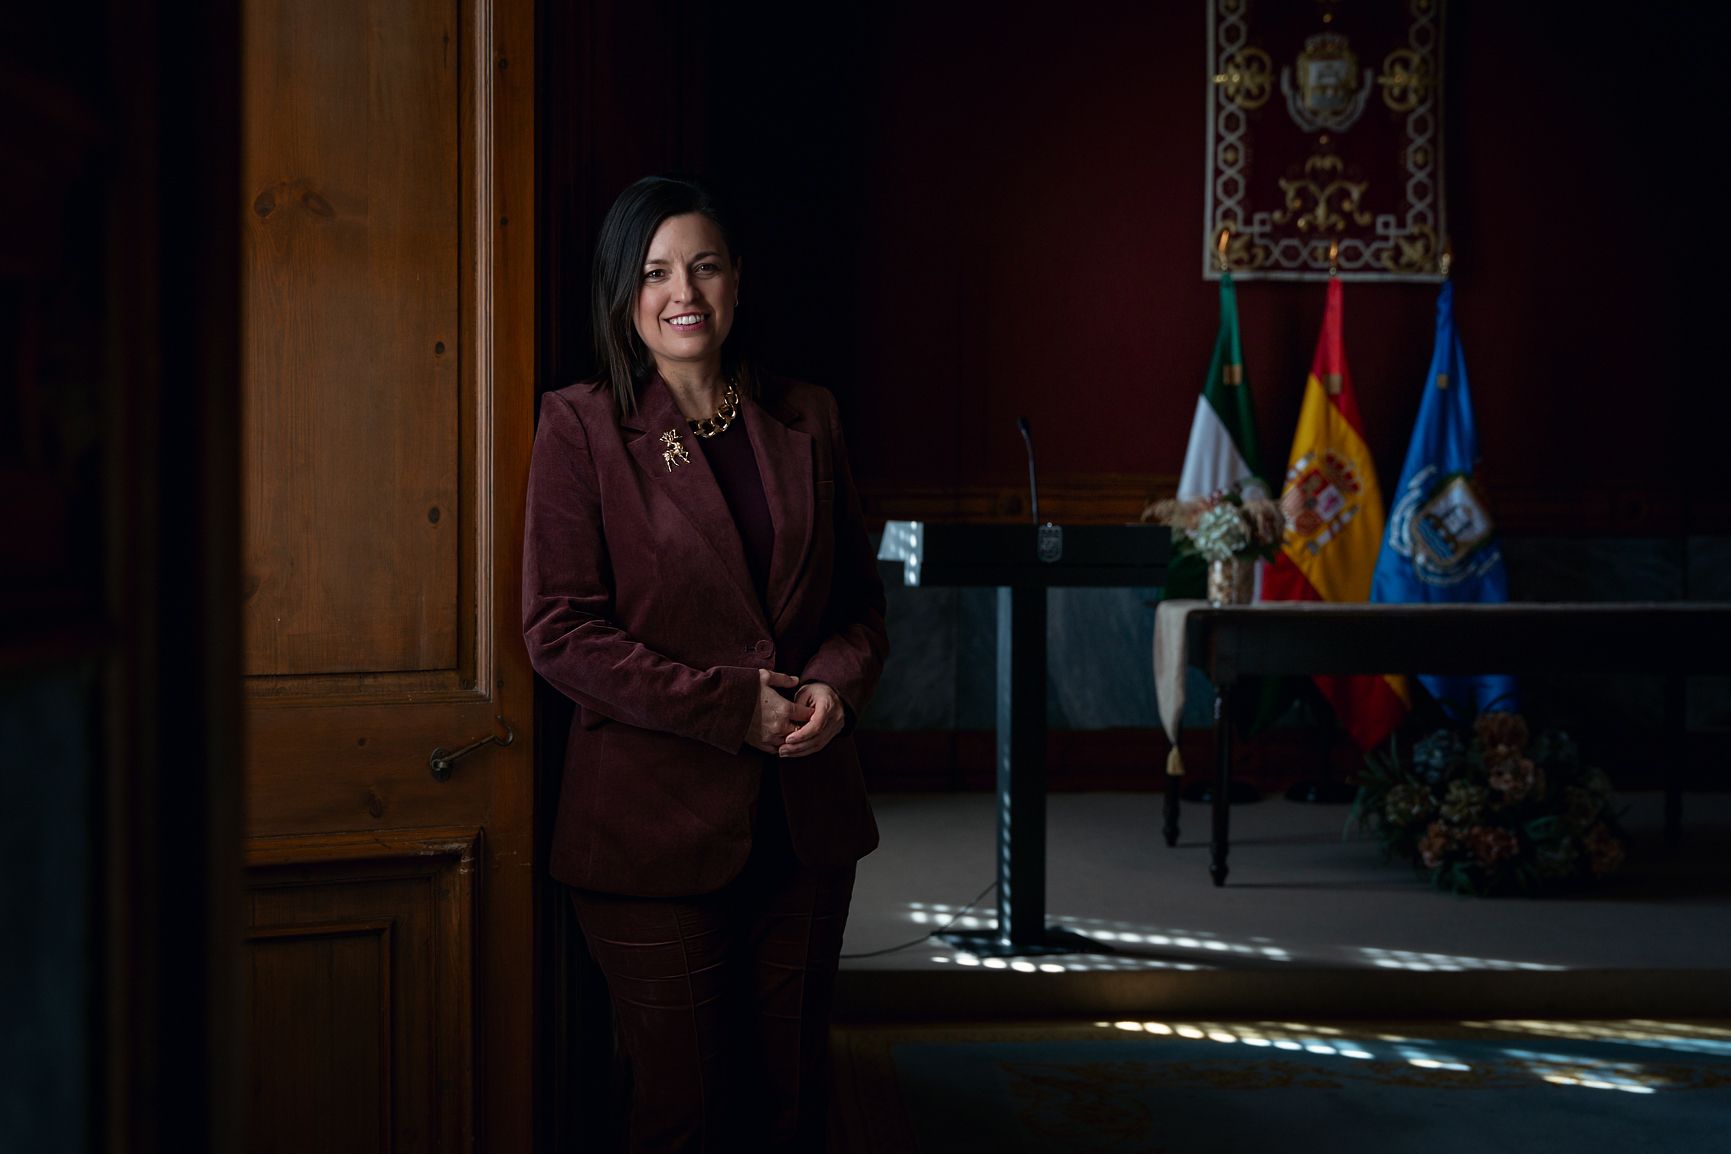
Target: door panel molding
388	688
334	923
322	937
460	843
311	237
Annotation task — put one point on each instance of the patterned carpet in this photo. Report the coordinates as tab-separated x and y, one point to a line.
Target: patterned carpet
1209	1087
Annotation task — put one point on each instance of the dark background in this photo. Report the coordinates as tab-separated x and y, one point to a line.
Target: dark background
964	213
961	214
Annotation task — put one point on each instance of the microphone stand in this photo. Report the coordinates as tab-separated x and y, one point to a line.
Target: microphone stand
1033	486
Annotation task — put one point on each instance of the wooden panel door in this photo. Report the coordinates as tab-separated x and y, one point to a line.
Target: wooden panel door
387	339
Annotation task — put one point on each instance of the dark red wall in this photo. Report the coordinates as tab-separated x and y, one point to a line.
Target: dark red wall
964	213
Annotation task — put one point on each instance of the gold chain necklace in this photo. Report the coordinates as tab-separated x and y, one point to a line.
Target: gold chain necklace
724	416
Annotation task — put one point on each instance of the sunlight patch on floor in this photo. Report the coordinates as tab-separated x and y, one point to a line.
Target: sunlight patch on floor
1444	963
1565	1070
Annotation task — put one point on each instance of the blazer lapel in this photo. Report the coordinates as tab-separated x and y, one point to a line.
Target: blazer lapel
691	485
785	462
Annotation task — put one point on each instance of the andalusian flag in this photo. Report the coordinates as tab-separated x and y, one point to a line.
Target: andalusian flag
1333	509
1222	454
1441	543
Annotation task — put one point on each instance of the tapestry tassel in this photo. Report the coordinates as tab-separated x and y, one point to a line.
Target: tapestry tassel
1174	764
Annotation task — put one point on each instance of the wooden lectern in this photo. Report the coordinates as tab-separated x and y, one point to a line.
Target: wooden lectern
1022	562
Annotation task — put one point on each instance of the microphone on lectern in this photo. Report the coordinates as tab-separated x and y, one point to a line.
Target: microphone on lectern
1048	538
1033	488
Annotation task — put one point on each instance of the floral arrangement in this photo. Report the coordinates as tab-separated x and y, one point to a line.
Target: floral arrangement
1488	810
1222	527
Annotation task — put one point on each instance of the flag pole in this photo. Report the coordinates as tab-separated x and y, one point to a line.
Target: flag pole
1319	790
1238	432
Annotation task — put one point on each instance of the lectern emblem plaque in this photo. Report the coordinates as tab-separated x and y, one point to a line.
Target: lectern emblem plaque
1051	542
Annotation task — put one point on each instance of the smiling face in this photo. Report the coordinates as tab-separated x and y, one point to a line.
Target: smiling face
685	298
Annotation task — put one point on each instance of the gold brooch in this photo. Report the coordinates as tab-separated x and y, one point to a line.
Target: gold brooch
675	453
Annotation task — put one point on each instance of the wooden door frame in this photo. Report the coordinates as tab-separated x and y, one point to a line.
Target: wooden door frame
170	1039
170	1071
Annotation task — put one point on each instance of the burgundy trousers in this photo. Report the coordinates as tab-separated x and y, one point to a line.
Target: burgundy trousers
722	1002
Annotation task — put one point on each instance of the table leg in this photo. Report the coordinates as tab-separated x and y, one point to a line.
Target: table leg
1021	764
1174	787
1022	925
1219	846
1676	745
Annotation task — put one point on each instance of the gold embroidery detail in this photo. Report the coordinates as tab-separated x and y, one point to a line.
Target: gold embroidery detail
1248	80
1240	252
1323	207
1406	83
1415	253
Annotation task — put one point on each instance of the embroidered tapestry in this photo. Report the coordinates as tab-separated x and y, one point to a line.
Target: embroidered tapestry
1325	140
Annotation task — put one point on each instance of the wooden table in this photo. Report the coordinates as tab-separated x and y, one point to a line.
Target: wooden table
1227	643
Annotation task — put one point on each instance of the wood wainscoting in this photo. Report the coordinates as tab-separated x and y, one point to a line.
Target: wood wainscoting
1131	759
1577	510
1089	759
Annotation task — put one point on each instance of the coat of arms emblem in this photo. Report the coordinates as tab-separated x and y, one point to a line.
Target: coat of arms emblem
1325	88
1321	496
1442	525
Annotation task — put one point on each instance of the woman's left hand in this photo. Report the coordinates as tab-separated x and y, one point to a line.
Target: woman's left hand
827	719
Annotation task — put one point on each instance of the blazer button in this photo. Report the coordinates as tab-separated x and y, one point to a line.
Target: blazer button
764	649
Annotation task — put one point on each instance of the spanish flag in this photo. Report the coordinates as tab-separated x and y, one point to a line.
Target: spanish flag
1334	518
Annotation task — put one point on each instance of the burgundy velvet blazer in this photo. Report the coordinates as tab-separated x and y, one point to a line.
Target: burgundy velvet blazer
638	605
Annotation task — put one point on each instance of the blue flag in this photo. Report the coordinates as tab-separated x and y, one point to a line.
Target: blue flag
1440	544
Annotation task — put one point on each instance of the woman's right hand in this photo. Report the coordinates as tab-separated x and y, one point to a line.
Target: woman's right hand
775	716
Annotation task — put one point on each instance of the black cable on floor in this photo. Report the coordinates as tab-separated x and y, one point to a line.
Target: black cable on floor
908	945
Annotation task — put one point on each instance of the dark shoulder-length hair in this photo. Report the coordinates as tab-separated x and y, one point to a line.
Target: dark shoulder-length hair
620	250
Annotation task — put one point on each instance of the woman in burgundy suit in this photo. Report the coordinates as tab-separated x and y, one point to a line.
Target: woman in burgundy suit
697	578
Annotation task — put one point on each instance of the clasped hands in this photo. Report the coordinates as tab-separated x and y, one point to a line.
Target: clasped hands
796	727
